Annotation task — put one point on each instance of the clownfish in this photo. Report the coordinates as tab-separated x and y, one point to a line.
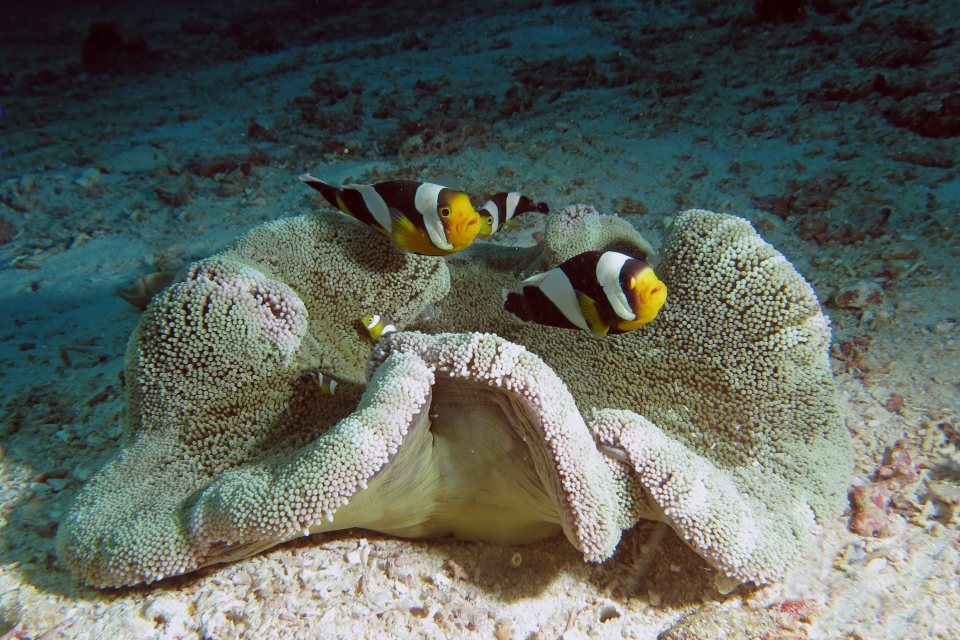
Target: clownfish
422	217
603	292
328	386
503	207
376	326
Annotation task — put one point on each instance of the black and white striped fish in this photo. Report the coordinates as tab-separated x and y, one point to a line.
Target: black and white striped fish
377	326
328	386
422	217
503	207
604	292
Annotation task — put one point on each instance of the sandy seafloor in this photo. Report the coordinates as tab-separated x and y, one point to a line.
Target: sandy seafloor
835	133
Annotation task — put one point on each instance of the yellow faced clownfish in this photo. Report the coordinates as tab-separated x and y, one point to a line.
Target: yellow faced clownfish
421	217
328	386
376	326
600	291
503	207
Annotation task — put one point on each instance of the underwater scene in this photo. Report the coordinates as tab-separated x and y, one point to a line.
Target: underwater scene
519	319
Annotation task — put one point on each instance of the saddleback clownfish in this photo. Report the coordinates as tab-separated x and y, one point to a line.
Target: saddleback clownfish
503	207
328	386
604	292
377	326
422	217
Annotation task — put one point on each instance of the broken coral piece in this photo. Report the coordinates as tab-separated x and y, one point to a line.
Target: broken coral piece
872	503
859	294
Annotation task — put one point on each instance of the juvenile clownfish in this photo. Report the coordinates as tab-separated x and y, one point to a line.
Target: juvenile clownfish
599	291
376	326
328	386
503	207
422	217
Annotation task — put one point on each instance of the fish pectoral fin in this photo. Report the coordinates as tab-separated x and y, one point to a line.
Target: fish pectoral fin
398	217
405	233
590	313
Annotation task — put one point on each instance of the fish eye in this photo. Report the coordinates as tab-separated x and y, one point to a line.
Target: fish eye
445	212
490	220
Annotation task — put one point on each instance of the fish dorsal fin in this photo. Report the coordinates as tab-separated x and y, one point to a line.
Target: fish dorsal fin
608	275
535	280
588	307
329	193
425	201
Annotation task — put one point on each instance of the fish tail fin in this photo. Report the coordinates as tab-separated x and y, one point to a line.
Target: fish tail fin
330	193
515	304
590	313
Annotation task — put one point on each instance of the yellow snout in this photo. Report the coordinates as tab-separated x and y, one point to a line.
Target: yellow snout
463	225
652	294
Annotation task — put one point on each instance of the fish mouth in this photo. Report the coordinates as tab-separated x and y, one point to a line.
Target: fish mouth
469	227
649	294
